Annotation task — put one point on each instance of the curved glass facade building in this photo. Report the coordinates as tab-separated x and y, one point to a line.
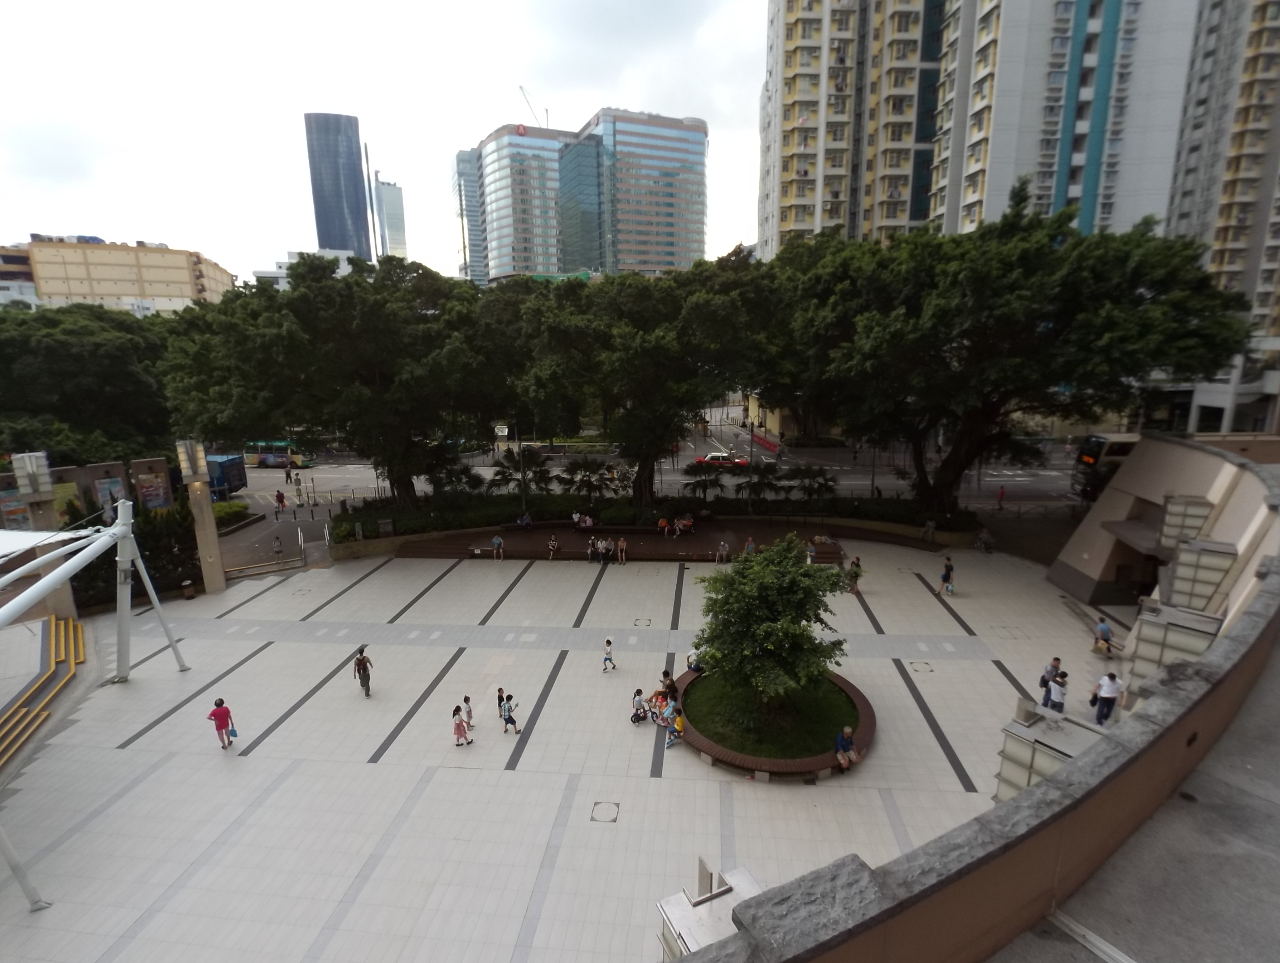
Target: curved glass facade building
337	183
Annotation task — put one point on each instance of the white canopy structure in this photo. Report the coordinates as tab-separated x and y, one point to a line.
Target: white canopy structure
83	546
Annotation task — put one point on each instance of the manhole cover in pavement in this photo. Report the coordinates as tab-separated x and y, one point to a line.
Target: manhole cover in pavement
644	622
604	812
920	666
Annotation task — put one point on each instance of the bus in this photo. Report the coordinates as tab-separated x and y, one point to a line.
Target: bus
1098	457
277	454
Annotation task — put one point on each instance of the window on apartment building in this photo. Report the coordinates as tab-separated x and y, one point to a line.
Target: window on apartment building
1060	44
1063	8
1048	145
1057	78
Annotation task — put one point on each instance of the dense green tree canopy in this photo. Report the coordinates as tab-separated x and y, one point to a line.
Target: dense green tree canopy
82	382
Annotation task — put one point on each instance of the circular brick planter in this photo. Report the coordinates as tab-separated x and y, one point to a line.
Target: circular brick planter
763	767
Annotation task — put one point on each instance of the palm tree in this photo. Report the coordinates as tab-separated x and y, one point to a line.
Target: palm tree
524	471
812	481
704	479
587	476
761	481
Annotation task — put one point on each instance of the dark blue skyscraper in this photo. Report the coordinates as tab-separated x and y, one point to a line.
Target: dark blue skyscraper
338	183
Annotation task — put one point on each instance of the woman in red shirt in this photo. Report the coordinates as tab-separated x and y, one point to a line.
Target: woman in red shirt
222	722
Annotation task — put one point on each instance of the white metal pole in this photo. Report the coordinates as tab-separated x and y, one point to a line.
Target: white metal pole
20	874
50	583
155	604
126	553
43	560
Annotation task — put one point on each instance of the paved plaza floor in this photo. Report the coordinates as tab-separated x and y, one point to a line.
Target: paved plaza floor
344	828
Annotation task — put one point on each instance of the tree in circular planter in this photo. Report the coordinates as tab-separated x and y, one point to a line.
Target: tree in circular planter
765	689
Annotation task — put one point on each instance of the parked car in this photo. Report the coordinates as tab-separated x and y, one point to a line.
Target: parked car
721	459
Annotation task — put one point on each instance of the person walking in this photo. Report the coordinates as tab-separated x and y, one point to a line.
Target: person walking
1046	677
854	574
622	550
466	711
297	488
1105	693
501	700
553	546
608	656
459	728
223	724
508	715
1102	636
947	581
280	499
360	669
277	547
497	543
1058	692
288	475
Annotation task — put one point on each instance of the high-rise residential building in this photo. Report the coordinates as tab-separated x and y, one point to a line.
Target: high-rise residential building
625	193
143	278
652	190
1082	96
903	47
1226	193
390	207
338	188
811	116
466	185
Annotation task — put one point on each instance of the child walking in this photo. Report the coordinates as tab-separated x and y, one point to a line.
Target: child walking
508	718
500	701
608	656
459	728
466	711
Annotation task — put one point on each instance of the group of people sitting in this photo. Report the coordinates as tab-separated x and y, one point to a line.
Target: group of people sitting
662	707
582	520
604	549
680	526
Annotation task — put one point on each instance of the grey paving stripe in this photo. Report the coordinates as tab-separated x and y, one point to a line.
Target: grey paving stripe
526	728
503	597
418	703
956	766
266	733
728	835
79	826
894	815
256	595
660	737
945	604
675	607
340	912
224	841
546	870
434	582
148	658
347	589
1013	680
586	604
142	611
875	623
195	695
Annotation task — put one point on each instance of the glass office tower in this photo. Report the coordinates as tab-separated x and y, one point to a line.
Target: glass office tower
337	183
390	217
582	228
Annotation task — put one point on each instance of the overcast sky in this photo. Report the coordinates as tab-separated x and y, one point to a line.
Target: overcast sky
164	121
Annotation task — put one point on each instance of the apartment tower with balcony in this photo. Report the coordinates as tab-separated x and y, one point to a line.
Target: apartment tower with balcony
1226	193
811	111
903	48
1084	97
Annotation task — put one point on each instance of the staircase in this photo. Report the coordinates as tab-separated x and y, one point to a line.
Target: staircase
63	650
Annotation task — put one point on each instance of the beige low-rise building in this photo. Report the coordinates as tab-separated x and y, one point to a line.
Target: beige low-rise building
142	278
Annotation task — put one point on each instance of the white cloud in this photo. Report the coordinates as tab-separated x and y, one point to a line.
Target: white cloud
146	120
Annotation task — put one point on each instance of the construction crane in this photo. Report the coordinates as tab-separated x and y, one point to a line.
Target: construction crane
546	120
